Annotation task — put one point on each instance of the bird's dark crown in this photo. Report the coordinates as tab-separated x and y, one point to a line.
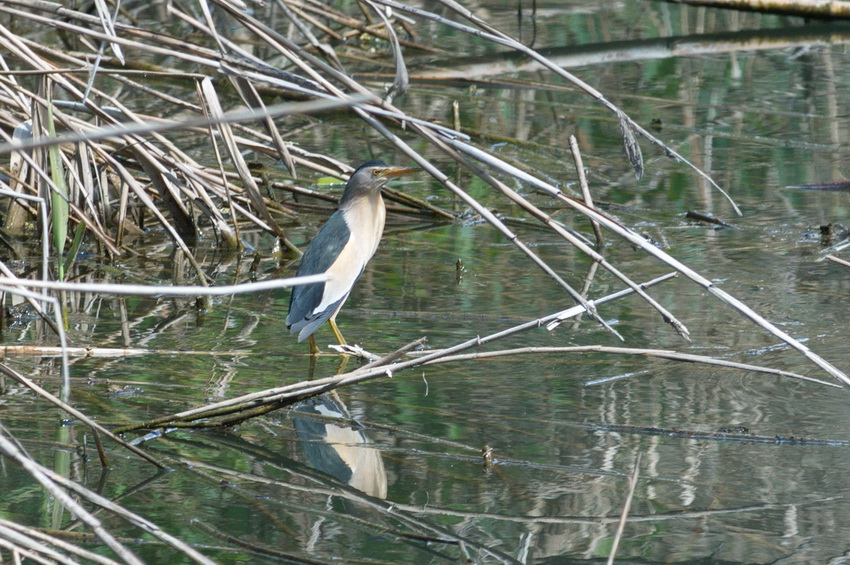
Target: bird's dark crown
372	163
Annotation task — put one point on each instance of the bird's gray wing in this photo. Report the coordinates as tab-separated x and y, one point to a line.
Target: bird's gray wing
311	305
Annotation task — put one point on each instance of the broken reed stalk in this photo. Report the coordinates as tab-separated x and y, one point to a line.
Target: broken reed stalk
627	126
653	353
53	483
585	189
38	546
318	483
809	9
719	293
169	290
621	524
136	520
74	413
134	290
668	317
838	261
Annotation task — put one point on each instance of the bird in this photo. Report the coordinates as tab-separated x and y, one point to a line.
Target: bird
341	248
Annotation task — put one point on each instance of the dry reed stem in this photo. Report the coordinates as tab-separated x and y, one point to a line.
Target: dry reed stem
653	517
627	125
621	524
376	369
654	353
838	261
35	543
168	290
130	517
73	412
809	9
585	189
52	483
322	484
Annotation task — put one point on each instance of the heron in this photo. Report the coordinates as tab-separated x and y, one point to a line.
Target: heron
342	248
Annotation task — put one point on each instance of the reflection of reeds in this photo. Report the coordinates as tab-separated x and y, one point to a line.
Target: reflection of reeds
103	169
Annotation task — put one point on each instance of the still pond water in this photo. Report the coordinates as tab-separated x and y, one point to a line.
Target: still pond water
760	103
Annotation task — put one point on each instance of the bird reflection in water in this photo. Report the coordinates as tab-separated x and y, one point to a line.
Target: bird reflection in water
338	450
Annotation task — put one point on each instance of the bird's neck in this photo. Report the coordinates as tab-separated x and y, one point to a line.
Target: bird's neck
368	211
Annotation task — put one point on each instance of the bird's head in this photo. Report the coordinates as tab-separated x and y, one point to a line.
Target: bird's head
370	177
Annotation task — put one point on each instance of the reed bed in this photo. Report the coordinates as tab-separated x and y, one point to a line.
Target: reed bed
85	165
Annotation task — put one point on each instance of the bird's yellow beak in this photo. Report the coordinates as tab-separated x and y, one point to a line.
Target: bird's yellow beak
392	172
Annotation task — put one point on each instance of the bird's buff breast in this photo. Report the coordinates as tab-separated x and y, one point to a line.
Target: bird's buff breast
370	213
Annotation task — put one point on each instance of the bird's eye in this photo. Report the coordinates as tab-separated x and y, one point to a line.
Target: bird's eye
376	172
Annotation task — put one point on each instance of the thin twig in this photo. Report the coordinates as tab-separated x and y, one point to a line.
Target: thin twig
625	513
585	189
654	353
48	480
13	374
838	260
168	290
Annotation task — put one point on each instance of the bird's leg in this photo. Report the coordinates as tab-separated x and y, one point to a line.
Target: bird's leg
337	333
314	349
